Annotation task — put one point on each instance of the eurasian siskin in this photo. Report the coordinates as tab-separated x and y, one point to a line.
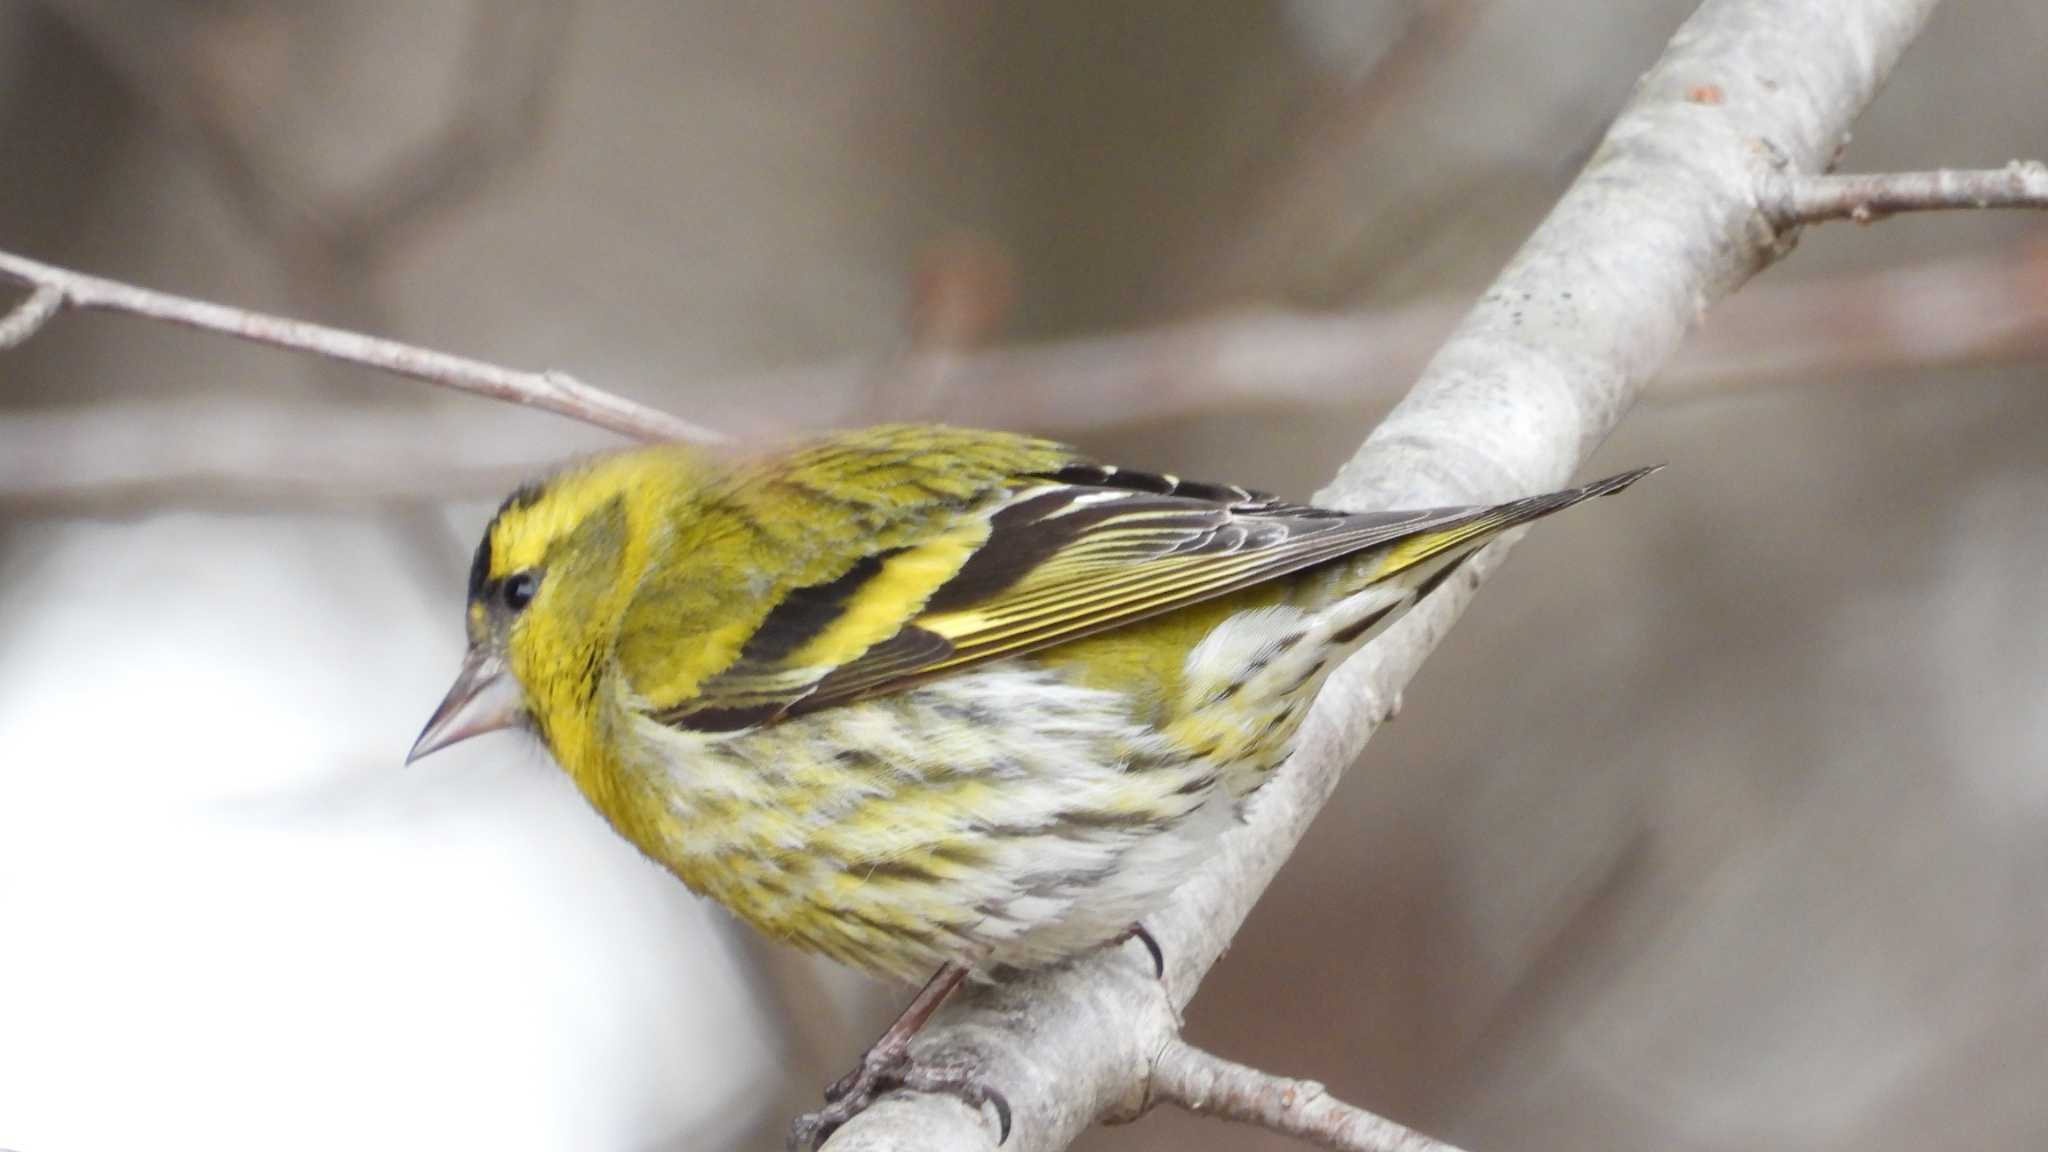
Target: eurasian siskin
927	698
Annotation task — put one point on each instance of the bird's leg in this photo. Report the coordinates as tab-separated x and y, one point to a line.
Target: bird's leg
886	1066
890	1051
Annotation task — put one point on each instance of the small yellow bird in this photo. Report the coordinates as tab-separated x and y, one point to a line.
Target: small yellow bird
926	698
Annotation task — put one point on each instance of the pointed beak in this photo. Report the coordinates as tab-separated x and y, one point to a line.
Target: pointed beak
485	698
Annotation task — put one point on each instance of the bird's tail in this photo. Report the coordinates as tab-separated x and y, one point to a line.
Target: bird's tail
1335	611
1366	594
1463	531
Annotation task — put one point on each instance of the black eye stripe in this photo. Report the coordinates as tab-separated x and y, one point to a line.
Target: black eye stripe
480	567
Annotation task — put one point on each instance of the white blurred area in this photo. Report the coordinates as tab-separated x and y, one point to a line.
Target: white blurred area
235	919
1717	824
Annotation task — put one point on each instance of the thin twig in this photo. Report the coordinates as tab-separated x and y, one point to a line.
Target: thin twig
29	316
1209	1085
550	391
1790	201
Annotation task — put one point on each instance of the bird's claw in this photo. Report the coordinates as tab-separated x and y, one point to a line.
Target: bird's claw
877	1068
884	1071
959	1079
1144	936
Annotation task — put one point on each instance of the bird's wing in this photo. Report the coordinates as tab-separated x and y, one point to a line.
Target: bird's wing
1049	558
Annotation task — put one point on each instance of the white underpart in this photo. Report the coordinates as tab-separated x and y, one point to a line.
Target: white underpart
1263	639
1052	886
1056	882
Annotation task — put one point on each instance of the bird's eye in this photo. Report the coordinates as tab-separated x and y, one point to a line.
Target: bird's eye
519	589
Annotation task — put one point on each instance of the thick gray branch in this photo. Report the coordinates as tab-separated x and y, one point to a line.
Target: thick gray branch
1207	1084
555	392
1663	222
1793	200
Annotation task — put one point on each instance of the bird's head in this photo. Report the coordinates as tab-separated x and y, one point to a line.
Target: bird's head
546	588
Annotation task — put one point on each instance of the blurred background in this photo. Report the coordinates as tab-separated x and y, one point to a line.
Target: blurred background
1716	824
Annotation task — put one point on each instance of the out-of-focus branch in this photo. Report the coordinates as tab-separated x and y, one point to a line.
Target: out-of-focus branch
1967	311
512	62
1662	223
1209	1085
1960	312
550	391
1293	197
271	452
1790	201
211	74
961	294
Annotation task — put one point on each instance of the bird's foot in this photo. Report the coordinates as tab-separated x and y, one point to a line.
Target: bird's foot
889	1068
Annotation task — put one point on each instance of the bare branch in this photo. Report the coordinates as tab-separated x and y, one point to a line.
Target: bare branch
29	316
550	391
1209	1085
1663	223
1791	201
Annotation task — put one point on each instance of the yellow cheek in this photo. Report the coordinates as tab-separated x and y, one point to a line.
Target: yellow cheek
534	650
560	704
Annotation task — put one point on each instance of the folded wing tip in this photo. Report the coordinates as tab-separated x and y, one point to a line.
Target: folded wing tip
1620	481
